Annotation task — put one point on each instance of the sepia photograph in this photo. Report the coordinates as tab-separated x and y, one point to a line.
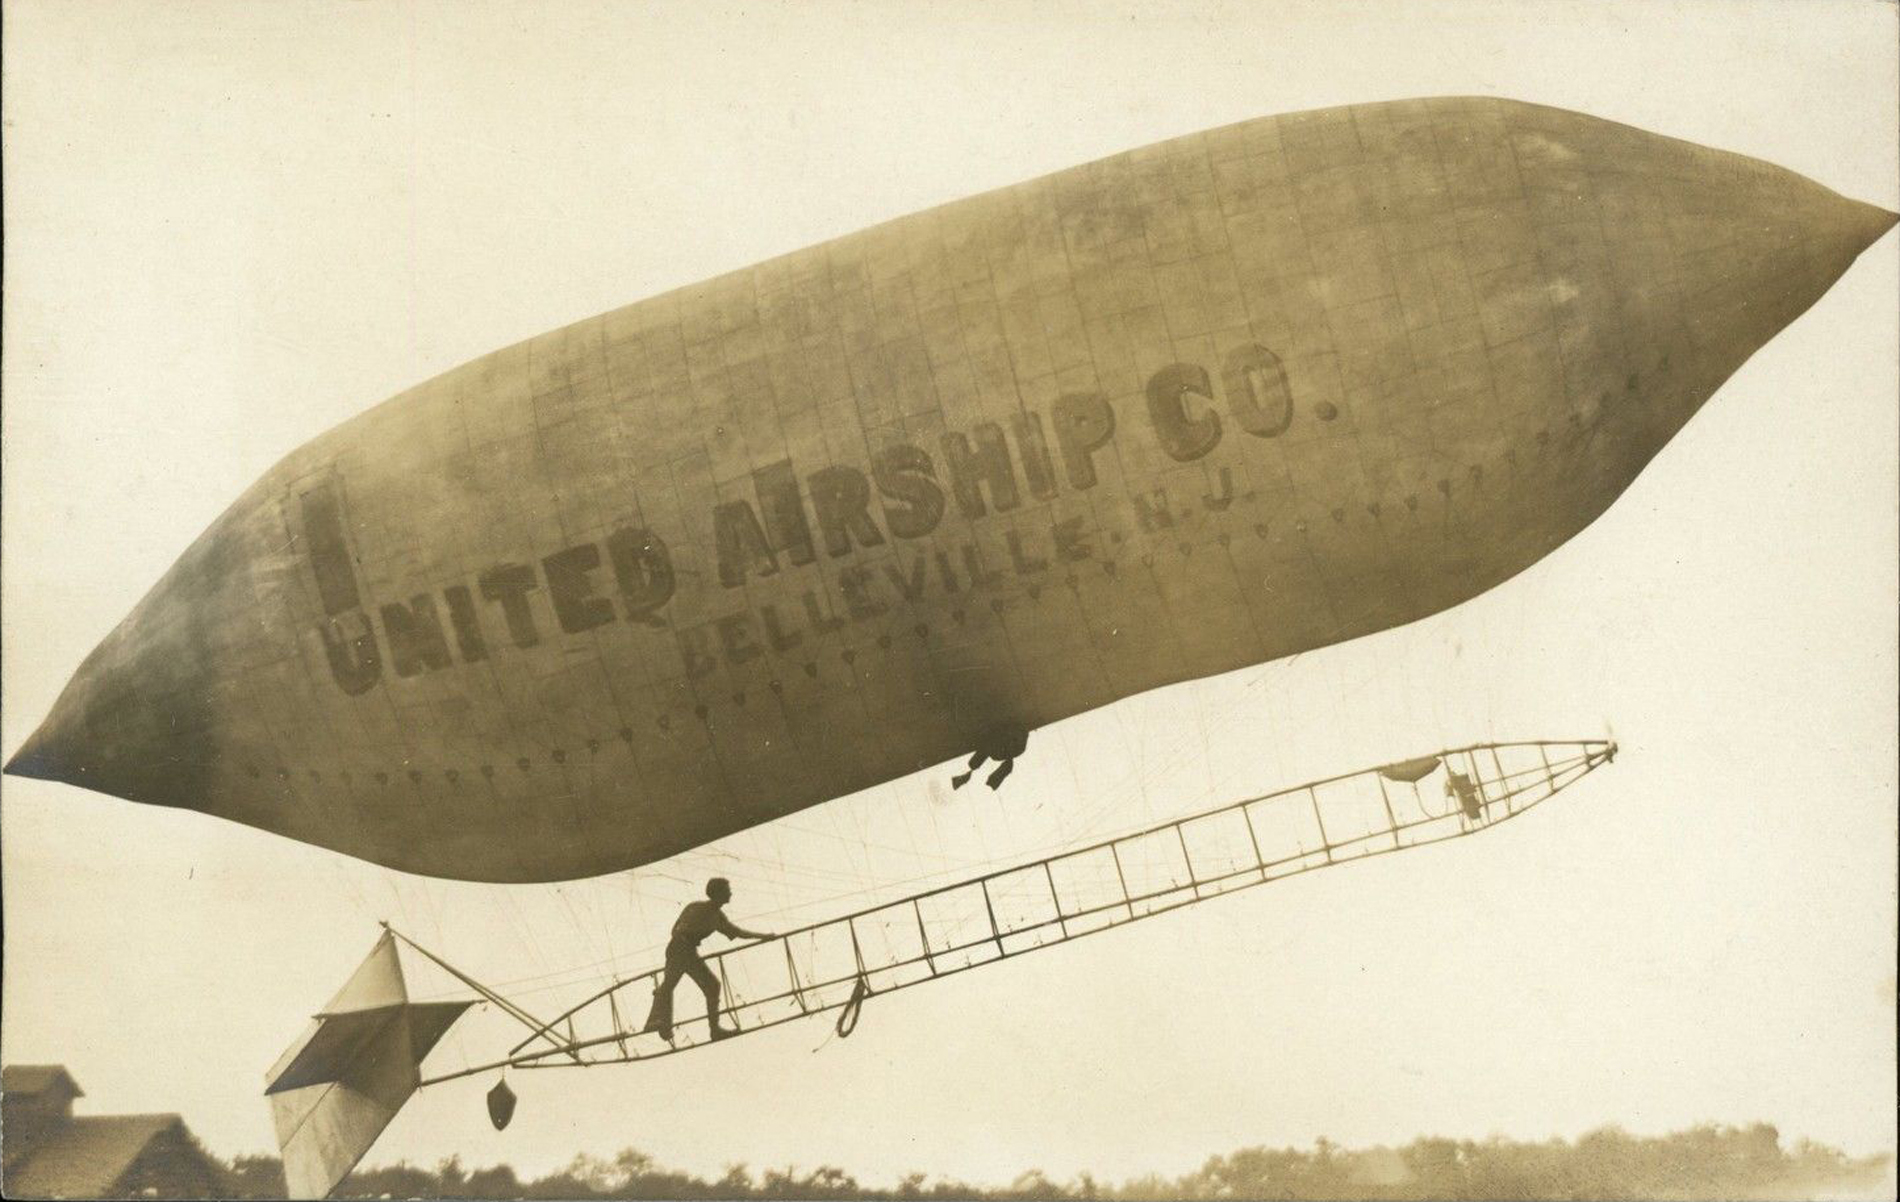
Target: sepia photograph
1239	599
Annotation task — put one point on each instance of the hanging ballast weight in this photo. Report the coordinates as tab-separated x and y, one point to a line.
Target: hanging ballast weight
501	1105
848	1017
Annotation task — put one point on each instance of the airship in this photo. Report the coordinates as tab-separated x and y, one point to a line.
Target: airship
909	495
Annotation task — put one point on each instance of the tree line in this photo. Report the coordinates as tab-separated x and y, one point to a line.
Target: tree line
1704	1162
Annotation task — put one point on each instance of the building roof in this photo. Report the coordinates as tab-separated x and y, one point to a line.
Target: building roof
28	1080
86	1157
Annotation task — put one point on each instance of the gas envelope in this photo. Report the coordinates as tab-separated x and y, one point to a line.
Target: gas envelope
610	593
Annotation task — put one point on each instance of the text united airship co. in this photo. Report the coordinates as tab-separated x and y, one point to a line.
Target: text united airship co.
988	468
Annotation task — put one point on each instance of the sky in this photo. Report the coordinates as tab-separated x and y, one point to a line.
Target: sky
231	226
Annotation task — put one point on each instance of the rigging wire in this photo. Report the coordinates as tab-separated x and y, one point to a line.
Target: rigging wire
543	983
772	868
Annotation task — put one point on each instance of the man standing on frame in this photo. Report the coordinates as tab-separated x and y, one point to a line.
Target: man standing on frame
698	920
